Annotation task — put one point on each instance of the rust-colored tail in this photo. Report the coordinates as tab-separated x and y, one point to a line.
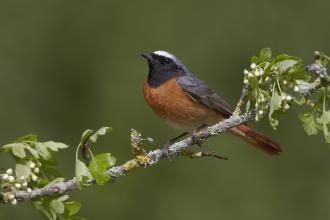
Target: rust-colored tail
256	139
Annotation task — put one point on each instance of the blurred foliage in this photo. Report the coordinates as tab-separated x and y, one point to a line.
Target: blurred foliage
68	65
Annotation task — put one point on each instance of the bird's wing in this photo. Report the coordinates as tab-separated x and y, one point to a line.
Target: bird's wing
199	91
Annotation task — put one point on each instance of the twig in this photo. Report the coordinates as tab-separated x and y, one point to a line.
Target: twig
307	89
241	100
153	157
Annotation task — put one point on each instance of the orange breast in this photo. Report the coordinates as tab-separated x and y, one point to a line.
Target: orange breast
177	108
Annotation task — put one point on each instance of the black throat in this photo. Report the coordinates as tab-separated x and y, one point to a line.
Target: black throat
157	79
161	72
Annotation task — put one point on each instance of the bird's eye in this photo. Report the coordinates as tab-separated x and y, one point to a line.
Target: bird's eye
167	61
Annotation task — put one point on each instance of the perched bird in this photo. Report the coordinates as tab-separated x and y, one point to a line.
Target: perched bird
183	101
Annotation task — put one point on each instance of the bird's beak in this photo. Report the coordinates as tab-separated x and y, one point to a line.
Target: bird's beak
147	56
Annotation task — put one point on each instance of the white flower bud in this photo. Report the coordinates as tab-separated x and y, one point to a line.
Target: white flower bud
286	106
24	184
256	72
36	170
250	75
261	112
22	177
246	81
34	178
288	98
296	88
5	176
18	185
32	165
14	202
257	104
11	179
253	66
11	197
246	71
285	82
28	190
267	78
9	171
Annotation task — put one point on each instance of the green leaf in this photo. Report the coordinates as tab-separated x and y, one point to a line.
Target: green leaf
51	170
248	105
17	149
57	206
85	136
325	120
63	198
255	59
82	172
72	208
265	54
55	146
300	101
27	137
22	170
55	181
42	150
99	165
309	123
33	151
275	104
298	72
285	65
324	59
43	208
100	132
282	57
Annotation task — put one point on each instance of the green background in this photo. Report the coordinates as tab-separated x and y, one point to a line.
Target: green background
70	65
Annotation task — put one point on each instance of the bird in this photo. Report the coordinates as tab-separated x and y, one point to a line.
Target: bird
184	101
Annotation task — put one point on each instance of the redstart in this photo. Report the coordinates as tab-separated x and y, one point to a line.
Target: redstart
183	101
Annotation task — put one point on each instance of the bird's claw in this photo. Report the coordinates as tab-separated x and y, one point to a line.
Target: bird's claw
196	138
166	150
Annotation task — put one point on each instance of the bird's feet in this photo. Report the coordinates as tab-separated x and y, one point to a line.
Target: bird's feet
197	138
167	146
166	150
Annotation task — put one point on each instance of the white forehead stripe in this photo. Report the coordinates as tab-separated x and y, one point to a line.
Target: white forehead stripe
164	54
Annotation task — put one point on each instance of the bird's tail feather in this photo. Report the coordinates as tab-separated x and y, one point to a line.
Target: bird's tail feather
257	139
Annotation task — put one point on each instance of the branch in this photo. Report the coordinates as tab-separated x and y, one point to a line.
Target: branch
153	157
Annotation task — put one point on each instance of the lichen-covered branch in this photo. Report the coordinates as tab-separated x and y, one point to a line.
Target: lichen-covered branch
146	159
241	100
152	158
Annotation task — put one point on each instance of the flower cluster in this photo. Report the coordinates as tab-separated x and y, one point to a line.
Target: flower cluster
255	72
286	101
267	82
35	170
255	77
261	105
11	183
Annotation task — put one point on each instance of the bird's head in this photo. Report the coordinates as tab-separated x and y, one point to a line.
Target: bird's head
163	66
